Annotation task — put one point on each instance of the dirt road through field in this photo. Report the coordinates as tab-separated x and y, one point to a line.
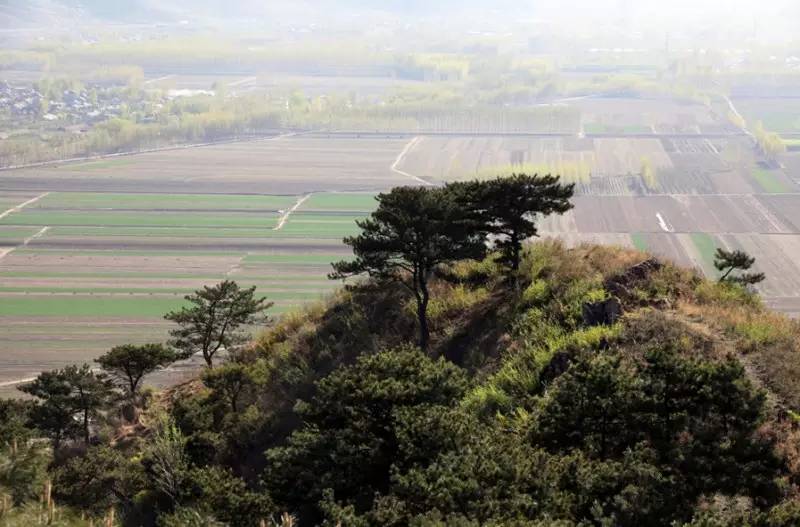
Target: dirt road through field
411	144
288	213
22	205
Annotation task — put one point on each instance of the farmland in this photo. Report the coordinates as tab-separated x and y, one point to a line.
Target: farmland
93	259
94	253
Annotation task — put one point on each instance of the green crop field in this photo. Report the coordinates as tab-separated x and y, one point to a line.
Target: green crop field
17	232
80	200
96	306
171	232
768	180
80	305
301	293
340	201
39	270
142	219
706	246
639	241
125	260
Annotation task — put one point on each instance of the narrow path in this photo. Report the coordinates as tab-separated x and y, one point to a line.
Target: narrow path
411	144
165	77
22	205
26	241
288	213
243	81
15	383
666	227
7	384
37	235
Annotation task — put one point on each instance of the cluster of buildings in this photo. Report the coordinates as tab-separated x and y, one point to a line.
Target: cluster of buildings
87	106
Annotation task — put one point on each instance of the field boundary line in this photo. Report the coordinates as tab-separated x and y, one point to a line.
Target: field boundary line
170	148
411	144
288	213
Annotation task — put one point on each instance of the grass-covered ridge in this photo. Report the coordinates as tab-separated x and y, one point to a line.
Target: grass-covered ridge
604	387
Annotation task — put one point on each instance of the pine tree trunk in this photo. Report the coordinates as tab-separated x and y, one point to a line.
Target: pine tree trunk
422	315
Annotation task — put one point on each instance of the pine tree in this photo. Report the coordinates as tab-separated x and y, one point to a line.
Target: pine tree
508	207
211	322
727	262
414	230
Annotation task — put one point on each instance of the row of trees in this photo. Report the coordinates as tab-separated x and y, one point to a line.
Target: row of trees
770	143
417	229
70	401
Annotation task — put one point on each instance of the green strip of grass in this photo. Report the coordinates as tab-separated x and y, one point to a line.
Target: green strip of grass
76	306
286	235
122	253
96	274
324	217
278	279
706	246
6	204
594	128
91	200
312	230
101	307
300	294
640	242
768	180
162	232
341	201
142	219
17	232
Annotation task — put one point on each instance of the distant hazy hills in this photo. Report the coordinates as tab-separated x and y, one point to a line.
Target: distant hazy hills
37	12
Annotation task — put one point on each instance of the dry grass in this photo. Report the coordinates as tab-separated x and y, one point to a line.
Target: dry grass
768	342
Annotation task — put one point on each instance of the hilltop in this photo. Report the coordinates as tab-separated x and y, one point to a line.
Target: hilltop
605	388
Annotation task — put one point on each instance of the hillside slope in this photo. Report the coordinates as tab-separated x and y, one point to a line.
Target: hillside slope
604	388
608	388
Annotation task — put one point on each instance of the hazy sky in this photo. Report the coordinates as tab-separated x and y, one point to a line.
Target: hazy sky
764	19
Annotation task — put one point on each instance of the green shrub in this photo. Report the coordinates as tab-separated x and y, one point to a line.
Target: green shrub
725	294
536	293
23	470
455	301
756	333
